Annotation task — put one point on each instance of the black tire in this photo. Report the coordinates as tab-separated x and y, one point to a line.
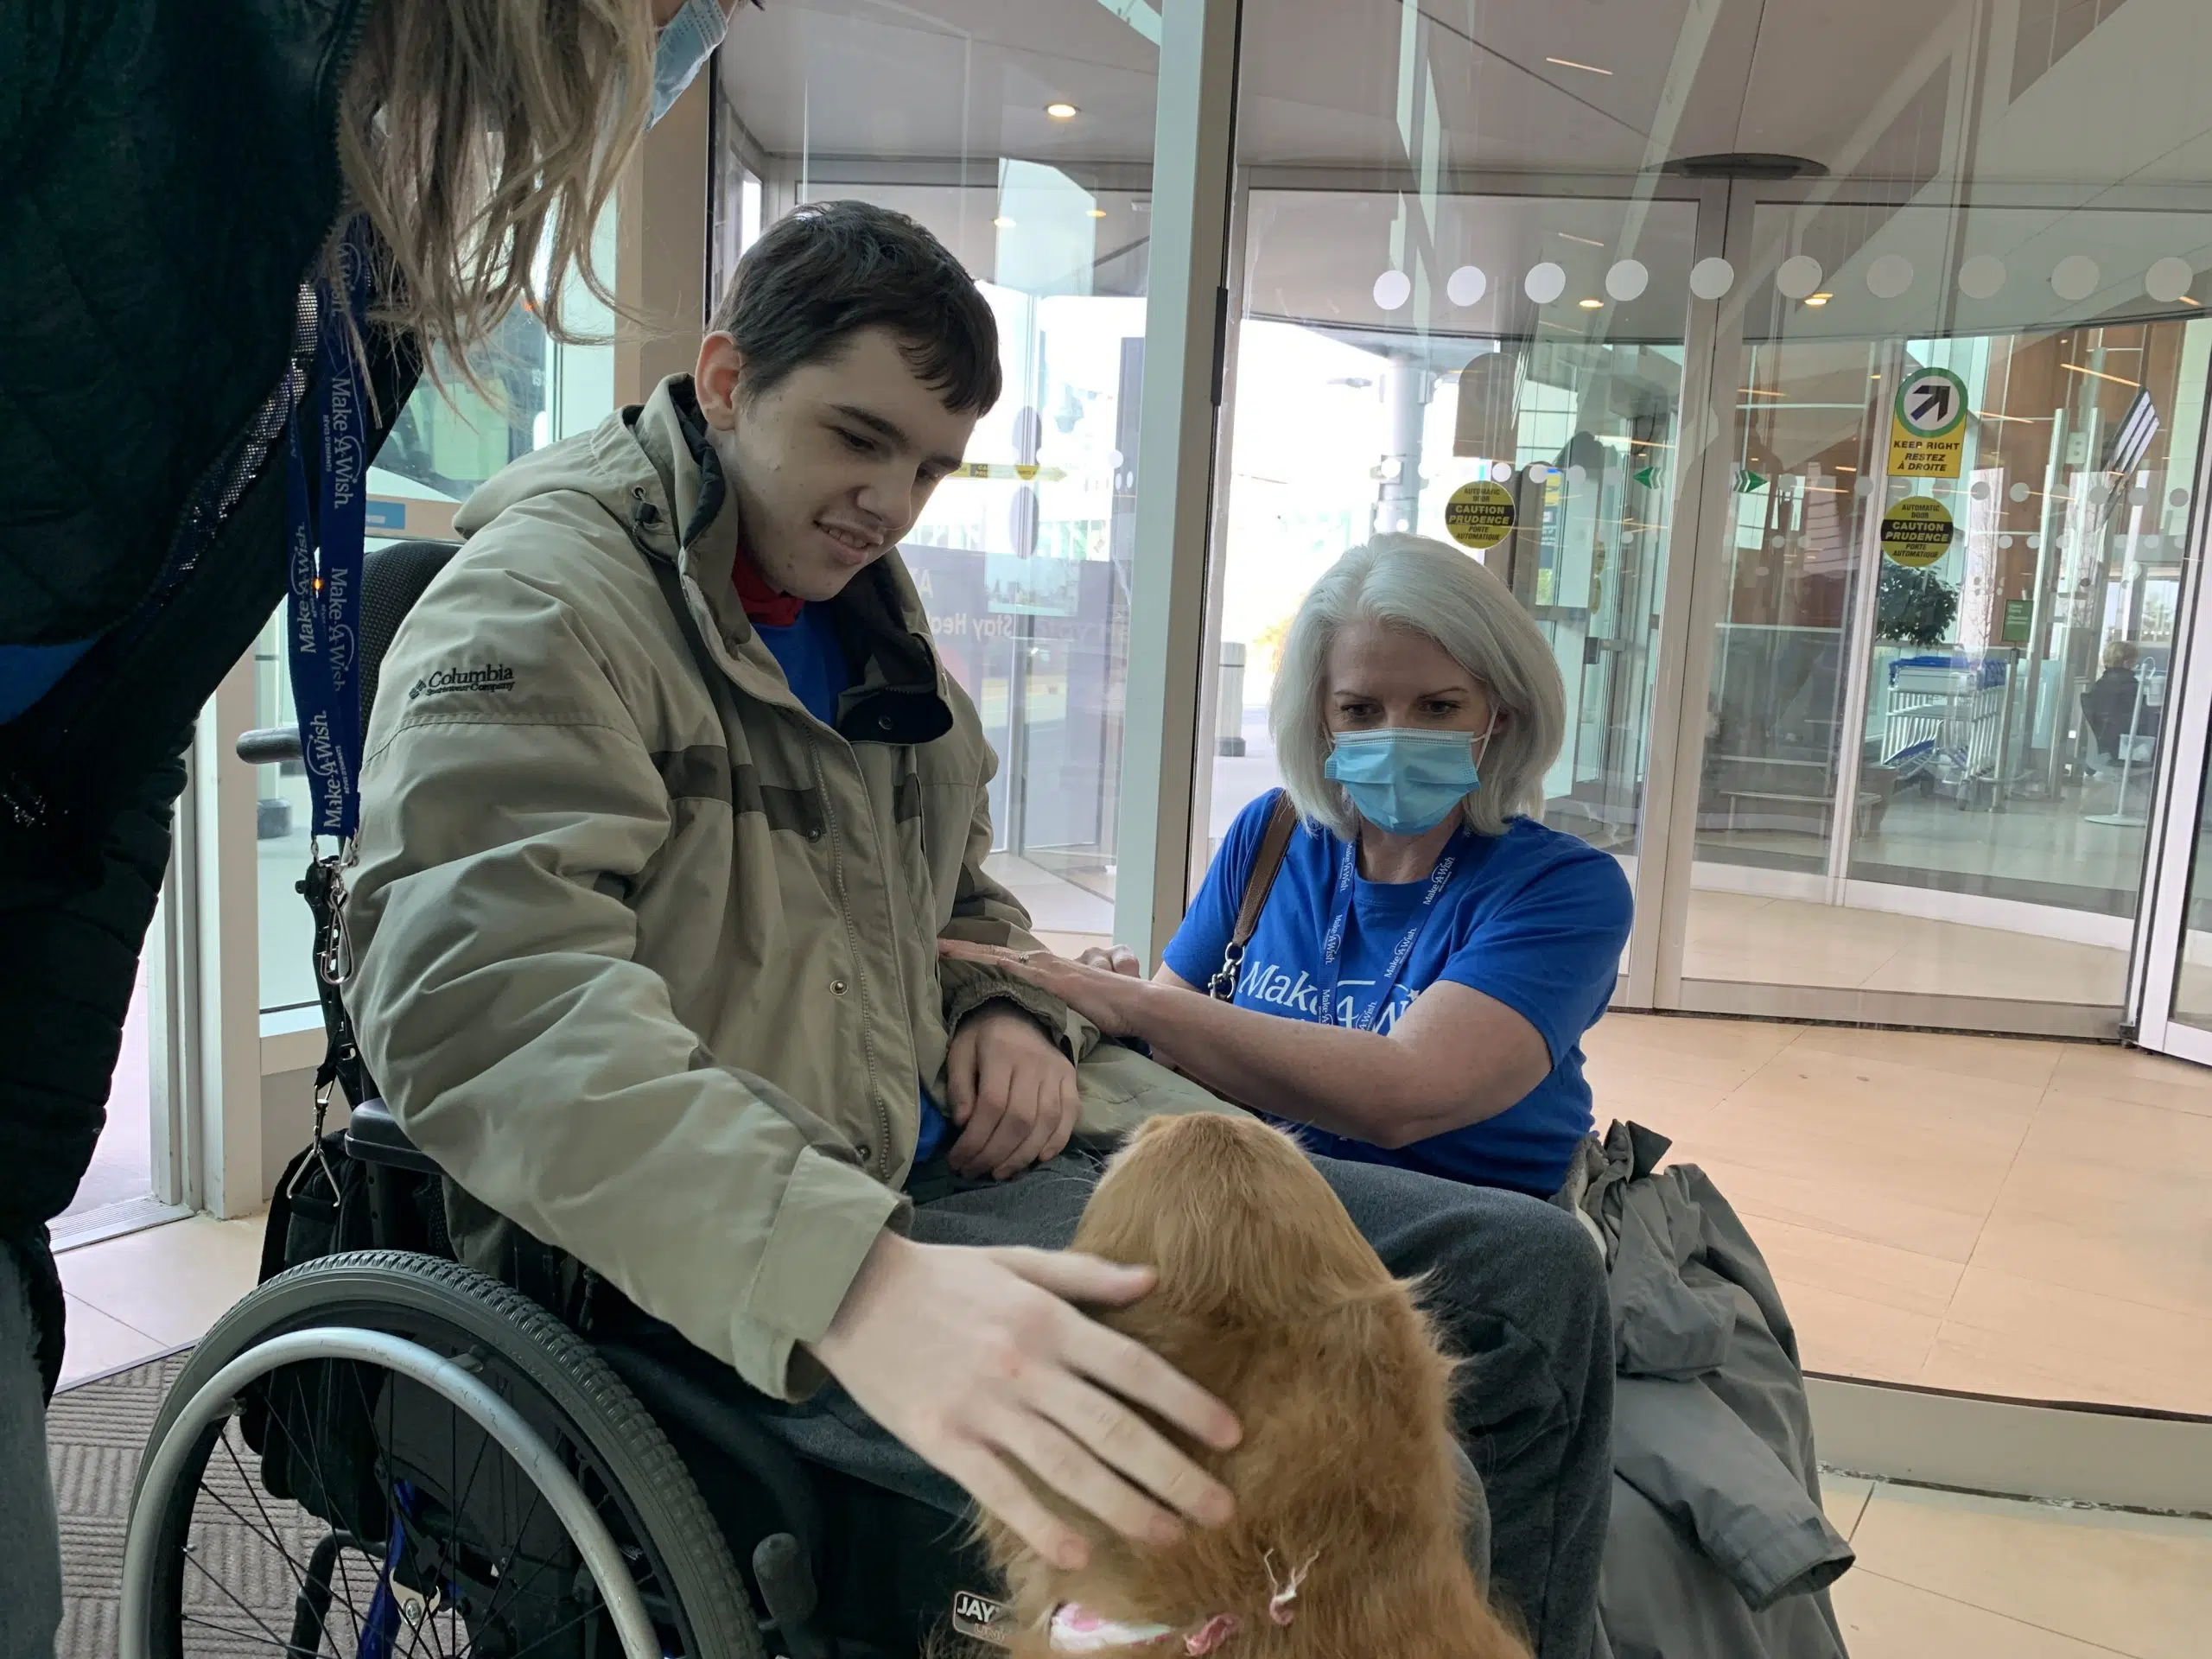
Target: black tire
454	1309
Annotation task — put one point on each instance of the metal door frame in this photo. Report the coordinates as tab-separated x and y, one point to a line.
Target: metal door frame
1688	625
2177	795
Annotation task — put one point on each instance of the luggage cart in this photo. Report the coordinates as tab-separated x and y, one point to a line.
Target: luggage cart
1942	720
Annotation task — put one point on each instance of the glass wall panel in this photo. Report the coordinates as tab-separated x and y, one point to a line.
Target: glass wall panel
1406	330
1940	671
1943	282
1021	136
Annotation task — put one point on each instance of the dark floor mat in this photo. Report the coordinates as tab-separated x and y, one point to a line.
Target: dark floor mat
95	1435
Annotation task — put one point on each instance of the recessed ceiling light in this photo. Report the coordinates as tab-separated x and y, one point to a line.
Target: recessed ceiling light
1062	111
1593	305
1587	68
1098	213
1003	223
1818	299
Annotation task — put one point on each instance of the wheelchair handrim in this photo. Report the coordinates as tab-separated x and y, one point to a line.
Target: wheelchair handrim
216	1399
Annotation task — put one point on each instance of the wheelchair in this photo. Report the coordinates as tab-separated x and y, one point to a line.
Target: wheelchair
380	1452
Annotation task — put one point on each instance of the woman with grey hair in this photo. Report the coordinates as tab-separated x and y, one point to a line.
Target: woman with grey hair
1429	953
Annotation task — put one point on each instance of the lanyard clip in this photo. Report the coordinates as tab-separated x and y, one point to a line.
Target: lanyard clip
335	961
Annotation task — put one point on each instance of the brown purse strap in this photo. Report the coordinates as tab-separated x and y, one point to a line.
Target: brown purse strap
1267	864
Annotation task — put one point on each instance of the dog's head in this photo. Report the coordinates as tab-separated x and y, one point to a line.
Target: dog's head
1269	1298
1243	1228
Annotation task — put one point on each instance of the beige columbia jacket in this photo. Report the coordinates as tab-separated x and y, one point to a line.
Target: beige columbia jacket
651	971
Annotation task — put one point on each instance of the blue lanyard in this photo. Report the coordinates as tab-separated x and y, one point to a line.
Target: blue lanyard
323	621
1333	945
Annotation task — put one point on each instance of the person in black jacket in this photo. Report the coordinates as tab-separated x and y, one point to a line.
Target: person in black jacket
2117	707
178	172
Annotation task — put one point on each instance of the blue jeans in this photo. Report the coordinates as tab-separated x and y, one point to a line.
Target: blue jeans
31	1544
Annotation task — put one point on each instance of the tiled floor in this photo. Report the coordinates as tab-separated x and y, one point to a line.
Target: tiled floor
1995	1215
1942	1575
150	1293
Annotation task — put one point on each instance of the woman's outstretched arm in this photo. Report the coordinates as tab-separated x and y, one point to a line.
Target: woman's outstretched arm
1455	1057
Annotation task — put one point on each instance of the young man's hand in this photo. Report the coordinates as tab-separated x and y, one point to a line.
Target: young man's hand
973	1357
1113	959
1013	1094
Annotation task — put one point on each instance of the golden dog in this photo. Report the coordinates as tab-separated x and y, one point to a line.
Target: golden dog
1348	1538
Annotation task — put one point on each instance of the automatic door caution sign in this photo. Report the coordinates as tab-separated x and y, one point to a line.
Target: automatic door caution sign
1928	429
1916	531
1479	515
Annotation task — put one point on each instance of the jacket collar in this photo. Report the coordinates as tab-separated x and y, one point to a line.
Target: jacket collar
899	694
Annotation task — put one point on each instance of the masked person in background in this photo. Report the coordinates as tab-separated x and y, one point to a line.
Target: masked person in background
1429	954
173	188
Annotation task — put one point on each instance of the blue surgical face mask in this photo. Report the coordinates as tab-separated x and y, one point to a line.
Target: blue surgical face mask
1406	782
687	41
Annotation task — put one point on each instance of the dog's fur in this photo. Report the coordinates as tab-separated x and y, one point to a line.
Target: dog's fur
1268	1297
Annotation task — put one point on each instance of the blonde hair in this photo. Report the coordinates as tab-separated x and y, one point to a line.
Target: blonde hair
483	138
1426	588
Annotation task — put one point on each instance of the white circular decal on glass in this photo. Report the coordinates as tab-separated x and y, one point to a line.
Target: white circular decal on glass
1889	276
1545	283
1467	285
1627	280
2075	278
1392	289
1712	278
2168	280
1981	277
1799	276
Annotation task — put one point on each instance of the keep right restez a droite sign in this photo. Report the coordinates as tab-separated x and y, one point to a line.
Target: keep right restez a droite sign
1927	425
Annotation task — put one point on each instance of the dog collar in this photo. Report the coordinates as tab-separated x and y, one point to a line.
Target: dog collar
1077	1630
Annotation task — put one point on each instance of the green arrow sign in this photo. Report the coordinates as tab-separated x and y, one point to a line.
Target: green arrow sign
1748	482
1648	476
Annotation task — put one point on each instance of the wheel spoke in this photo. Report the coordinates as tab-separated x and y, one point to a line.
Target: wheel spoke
313	1456
274	1538
503	1572
230	1596
223	1630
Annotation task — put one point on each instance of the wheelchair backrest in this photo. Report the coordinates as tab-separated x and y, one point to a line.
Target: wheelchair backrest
392	579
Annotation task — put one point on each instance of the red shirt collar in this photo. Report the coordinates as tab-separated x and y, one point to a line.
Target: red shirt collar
763	604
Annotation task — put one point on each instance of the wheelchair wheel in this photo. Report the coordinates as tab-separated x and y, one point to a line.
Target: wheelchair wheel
382	1454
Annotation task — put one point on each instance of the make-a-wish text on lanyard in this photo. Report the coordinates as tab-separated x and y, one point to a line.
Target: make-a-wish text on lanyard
1332	947
327	536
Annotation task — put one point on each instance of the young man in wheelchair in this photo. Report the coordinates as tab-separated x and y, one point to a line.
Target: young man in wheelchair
667	804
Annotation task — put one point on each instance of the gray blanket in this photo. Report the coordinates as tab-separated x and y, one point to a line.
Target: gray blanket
1718	1547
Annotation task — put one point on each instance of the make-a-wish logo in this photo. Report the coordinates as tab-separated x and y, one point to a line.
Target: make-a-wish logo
492	677
1266	983
325	767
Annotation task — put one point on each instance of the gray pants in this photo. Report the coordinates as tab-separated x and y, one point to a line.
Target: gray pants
1519	1293
30	1545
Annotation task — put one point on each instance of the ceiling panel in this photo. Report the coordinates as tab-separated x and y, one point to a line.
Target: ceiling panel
1866	89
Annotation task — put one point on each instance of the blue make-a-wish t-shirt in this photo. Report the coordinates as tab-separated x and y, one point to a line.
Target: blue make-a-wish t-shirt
1535	917
813	661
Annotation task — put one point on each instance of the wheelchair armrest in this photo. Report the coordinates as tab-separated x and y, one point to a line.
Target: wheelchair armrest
373	1136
